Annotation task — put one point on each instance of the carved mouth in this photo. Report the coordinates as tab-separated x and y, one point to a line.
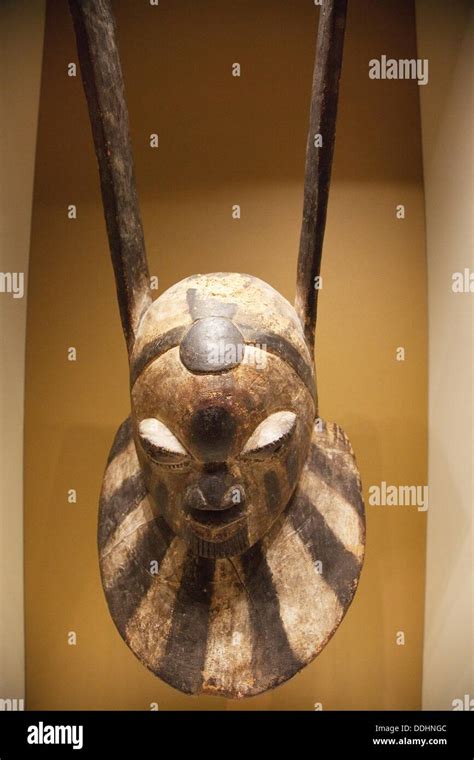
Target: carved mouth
214	519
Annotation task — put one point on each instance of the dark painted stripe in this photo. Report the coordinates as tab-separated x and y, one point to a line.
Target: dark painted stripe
276	344
340	569
123	501
273	660
291	465
185	655
134	579
154	349
272	491
338	472
122	439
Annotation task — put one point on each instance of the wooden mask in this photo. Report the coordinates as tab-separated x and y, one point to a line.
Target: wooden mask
231	523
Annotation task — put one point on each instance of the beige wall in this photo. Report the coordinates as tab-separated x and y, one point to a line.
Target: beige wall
226	141
21	44
445	36
72	422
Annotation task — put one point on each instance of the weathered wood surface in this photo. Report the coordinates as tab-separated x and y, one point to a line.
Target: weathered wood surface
322	121
262	315
235	626
212	596
213	411
103	84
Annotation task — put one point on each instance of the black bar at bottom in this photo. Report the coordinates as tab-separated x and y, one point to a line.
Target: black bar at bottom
306	734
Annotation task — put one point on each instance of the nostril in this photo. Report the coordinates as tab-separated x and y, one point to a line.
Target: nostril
194	499
213	494
235	496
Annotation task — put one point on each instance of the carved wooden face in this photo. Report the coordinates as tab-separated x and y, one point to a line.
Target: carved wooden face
222	429
221	436
231	527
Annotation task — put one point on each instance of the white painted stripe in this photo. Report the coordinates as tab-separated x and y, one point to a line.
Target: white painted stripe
119	546
341	517
227	667
309	609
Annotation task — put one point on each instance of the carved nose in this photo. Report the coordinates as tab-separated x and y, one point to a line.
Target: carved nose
213	489
214	493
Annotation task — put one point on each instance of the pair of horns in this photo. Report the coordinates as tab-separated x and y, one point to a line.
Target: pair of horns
103	84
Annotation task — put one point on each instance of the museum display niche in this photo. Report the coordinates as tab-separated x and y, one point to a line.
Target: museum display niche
231	524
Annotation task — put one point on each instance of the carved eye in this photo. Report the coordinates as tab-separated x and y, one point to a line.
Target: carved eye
161	445
268	438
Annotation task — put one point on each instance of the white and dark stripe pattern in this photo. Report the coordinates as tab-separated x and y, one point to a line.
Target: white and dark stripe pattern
233	627
263	317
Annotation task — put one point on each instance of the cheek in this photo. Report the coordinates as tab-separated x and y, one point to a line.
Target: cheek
269	485
295	457
166	487
292	462
274	491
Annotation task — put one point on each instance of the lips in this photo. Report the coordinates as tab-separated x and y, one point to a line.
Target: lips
213	518
214	525
213	511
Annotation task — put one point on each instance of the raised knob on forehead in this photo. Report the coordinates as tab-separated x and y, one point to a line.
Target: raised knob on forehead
211	345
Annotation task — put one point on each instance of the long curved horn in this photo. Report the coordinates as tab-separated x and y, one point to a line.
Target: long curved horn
322	121
103	84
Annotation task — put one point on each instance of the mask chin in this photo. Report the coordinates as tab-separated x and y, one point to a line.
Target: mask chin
234	544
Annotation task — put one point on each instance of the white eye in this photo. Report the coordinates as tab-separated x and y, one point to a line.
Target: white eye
270	435
160	443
